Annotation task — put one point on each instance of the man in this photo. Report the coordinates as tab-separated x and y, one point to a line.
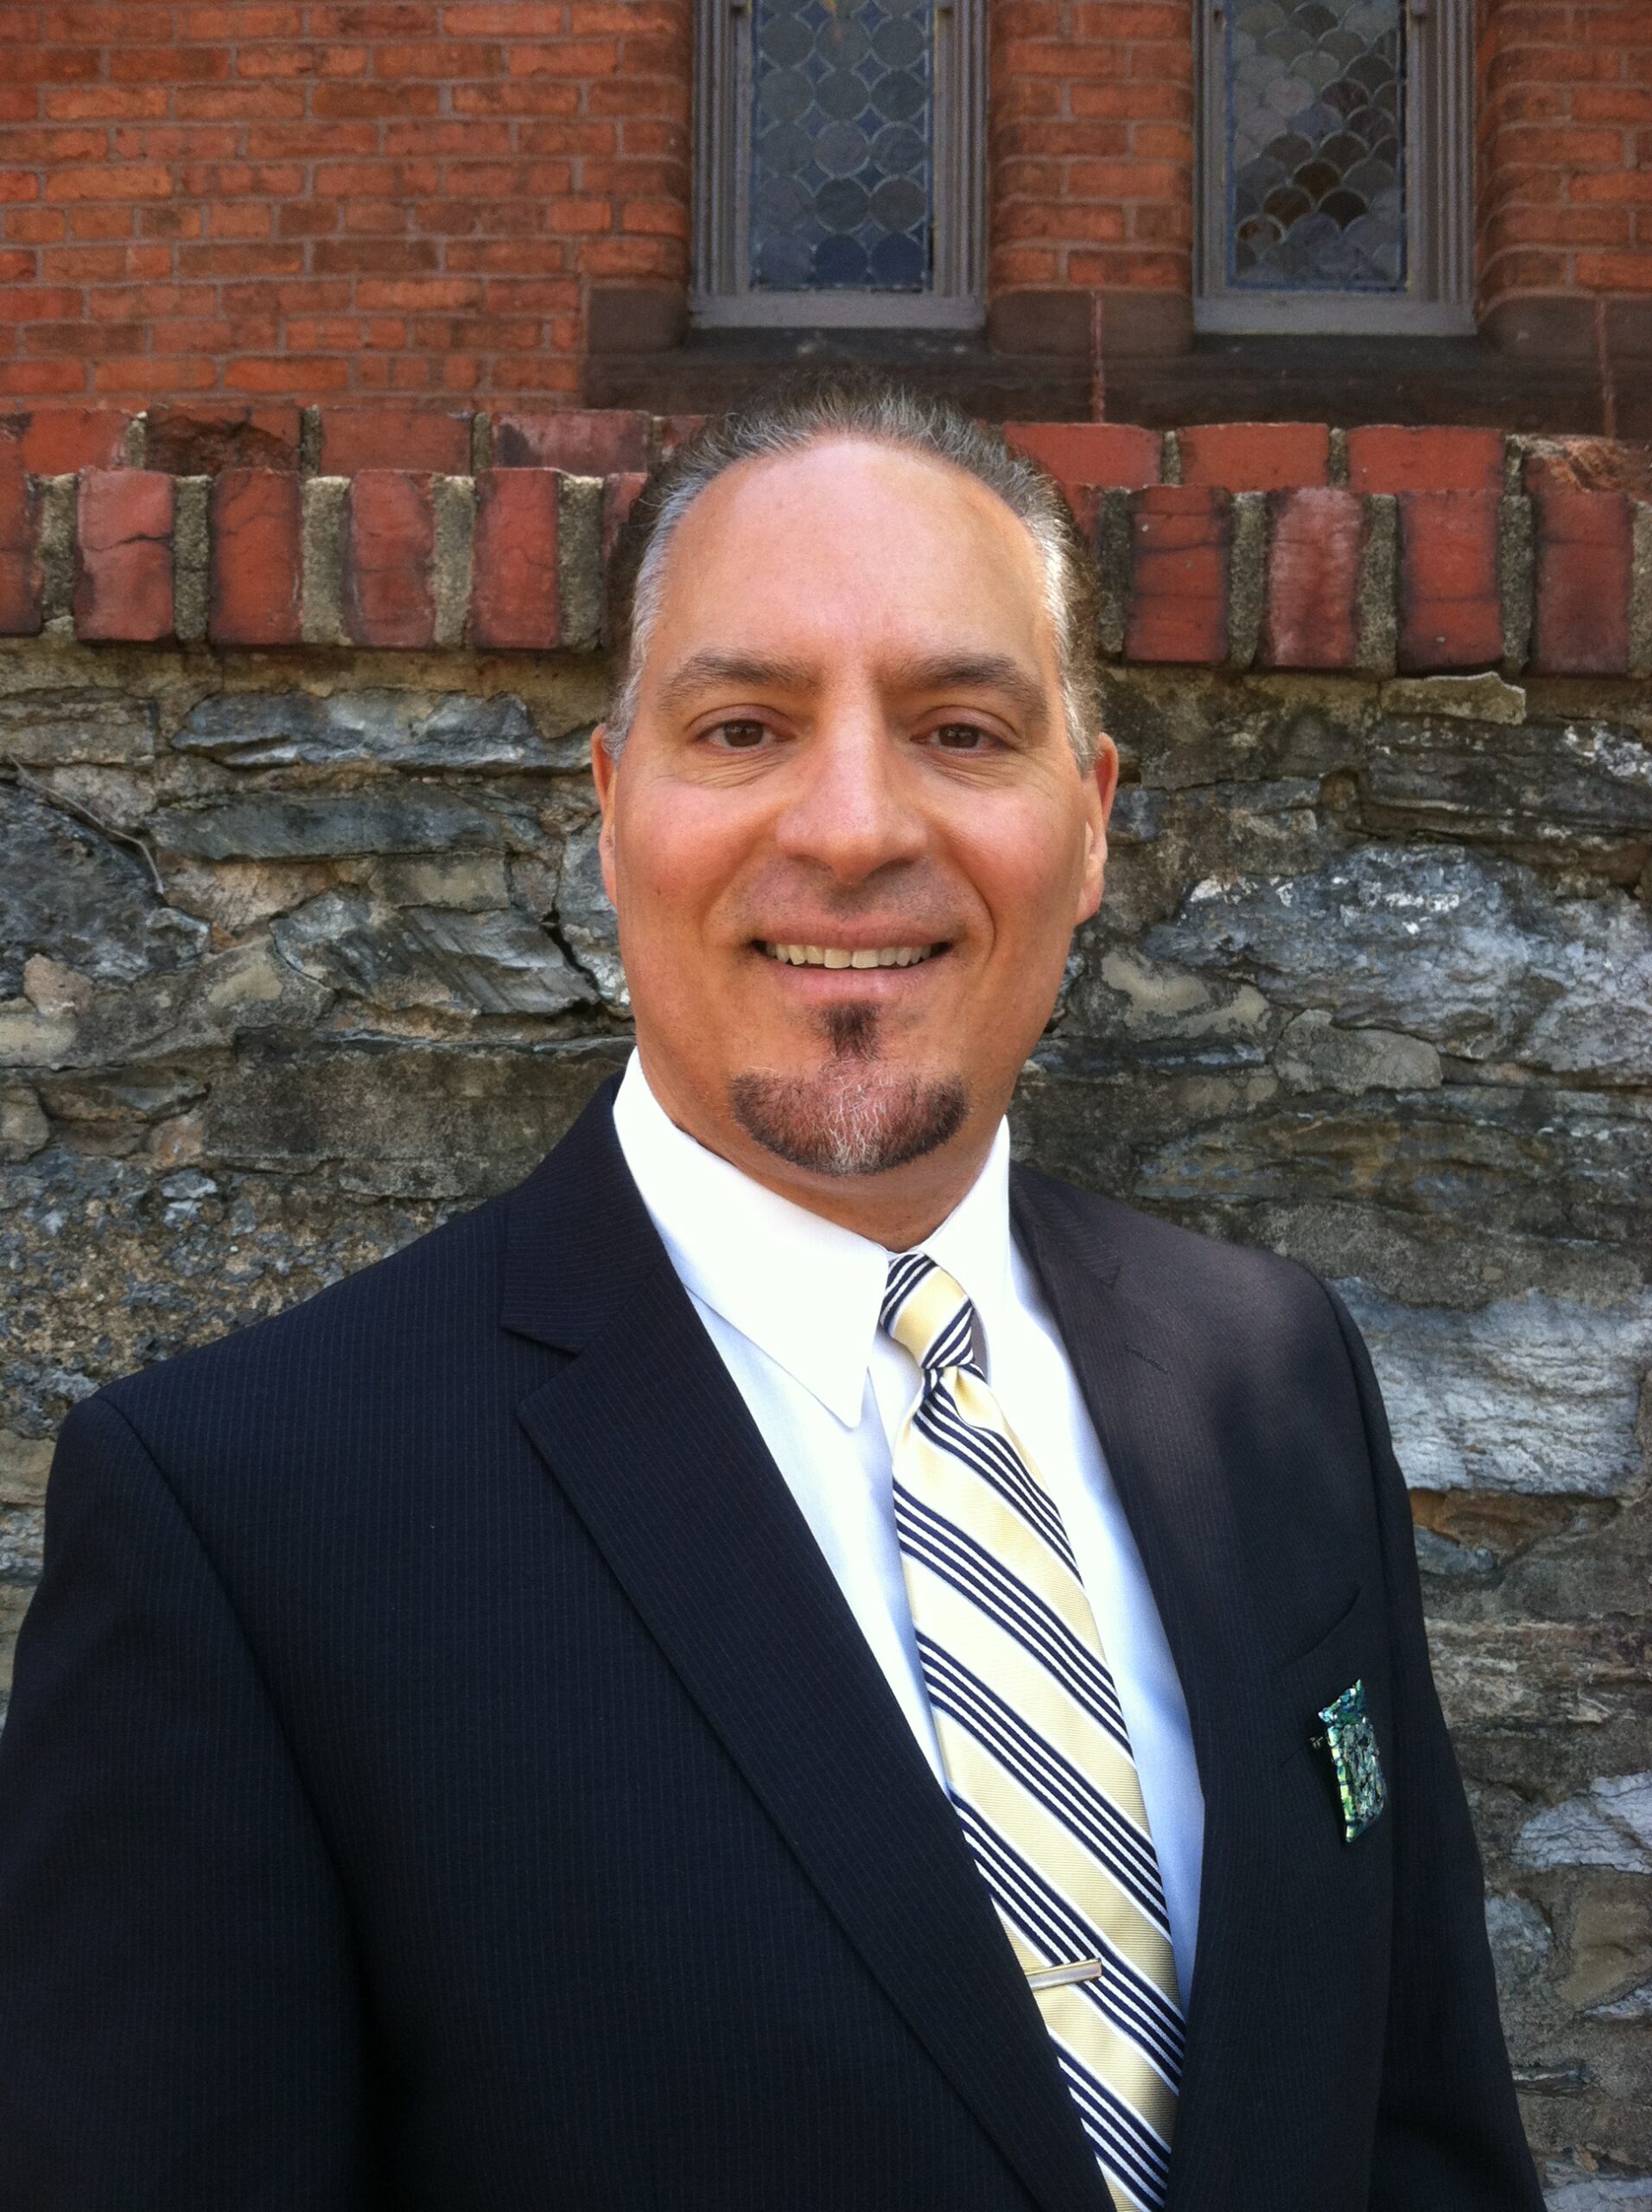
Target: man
784	1663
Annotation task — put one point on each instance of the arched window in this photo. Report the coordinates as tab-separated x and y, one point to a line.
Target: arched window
1337	156
839	161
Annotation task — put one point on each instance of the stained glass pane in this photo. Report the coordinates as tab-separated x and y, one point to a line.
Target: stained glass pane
842	124
1316	145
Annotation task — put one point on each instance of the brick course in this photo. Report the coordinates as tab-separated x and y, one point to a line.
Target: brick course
1422	548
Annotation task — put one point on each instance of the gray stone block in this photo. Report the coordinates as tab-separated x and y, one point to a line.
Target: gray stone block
433	956
398	729
419	1121
310	825
1476	954
1535	1393
1610	1826
55	729
72	895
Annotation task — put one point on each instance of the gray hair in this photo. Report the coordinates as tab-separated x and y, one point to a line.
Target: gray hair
863	406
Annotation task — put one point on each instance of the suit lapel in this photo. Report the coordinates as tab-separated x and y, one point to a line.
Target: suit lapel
1166	1453
649	1436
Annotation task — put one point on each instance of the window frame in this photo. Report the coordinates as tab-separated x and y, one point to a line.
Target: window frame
723	294
1439	201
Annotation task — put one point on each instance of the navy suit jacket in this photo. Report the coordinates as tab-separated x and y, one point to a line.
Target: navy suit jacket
443	1775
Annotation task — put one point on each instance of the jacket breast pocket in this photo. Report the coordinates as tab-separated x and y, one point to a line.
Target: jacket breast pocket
1353	1650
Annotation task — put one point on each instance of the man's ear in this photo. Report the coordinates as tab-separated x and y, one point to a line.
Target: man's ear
1101	783
605	774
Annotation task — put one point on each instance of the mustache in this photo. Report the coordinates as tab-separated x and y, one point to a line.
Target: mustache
801	911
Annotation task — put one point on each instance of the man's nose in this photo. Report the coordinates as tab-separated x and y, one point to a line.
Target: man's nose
852	808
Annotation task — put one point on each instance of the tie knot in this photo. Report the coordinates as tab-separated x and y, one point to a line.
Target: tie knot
928	1315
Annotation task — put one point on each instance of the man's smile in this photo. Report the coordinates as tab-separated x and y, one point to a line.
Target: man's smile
844	955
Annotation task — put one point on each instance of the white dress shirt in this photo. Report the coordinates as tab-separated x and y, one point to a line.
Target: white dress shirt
790	1302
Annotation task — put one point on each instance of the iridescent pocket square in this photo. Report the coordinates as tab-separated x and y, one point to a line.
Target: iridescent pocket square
1352	1741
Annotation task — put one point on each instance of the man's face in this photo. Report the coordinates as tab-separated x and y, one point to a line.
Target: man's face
848	743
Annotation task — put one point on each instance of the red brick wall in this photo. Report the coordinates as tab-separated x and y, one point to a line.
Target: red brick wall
310	198
1564	114
1091	128
280	196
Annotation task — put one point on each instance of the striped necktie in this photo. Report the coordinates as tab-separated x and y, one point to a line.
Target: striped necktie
1034	1739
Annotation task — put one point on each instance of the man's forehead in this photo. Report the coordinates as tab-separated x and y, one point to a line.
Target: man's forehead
818	498
778	553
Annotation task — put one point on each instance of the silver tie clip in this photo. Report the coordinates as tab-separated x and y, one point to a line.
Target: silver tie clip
1058	1977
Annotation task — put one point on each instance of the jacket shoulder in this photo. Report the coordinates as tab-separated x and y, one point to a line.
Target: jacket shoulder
383	1326
1180	1268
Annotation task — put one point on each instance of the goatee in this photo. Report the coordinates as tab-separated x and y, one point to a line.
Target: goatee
849	1117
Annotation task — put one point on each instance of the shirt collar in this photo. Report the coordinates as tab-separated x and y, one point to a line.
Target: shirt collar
802	1289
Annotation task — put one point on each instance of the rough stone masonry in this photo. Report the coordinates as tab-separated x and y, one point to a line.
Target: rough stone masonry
303	948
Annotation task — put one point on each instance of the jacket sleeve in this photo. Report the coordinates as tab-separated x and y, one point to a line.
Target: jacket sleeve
1449	2137
178	2001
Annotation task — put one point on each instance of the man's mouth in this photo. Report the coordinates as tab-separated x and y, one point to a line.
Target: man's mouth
844	955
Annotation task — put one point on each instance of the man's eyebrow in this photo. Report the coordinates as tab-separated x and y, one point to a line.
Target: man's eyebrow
1000	673
742	671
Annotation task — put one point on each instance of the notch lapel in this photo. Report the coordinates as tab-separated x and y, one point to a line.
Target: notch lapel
1165	1451
649	1437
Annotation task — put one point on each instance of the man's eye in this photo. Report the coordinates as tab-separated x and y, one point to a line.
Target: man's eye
738	736
962	737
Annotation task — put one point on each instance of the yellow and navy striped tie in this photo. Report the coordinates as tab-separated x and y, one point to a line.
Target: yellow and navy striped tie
1034	1739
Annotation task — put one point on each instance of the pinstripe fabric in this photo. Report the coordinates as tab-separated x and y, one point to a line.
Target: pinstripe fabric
1033	1738
443	1773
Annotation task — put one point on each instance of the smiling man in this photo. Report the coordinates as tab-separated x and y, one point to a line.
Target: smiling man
786	1665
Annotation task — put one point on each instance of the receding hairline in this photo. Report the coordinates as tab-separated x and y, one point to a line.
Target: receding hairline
865	409
916	670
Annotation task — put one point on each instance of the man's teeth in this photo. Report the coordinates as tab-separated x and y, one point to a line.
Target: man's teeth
840	956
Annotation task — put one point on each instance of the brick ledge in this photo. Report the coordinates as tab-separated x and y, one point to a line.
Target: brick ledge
1277	546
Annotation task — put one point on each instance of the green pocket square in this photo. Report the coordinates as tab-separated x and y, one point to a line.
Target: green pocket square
1352	1741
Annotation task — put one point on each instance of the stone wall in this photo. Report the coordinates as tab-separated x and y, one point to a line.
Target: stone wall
303	948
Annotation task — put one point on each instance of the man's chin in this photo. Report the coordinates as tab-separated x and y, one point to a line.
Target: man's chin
851	1119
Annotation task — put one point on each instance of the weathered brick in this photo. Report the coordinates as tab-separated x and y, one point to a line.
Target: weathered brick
1589	464
618	496
1387	457
1585	547
1178	611
426	438
514	595
200	441
389	547
56	441
123	585
256	567
1256	456
582	442
1311	616
1450	612
20	579
1110	457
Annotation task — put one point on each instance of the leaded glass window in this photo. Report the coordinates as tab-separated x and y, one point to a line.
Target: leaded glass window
843	170
1336	165
839	161
1316	145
